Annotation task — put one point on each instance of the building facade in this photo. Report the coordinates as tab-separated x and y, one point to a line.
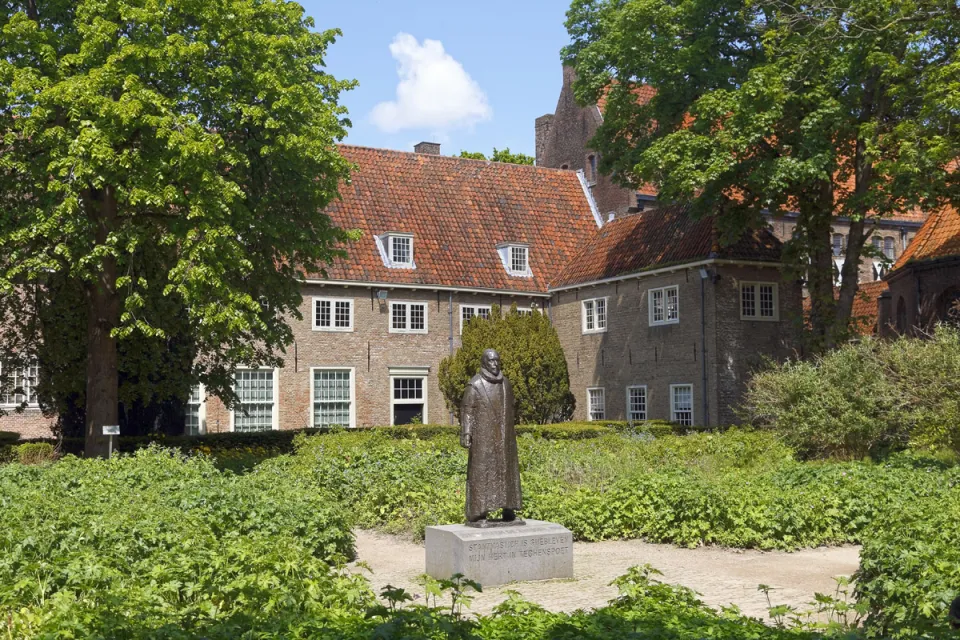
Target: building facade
563	142
656	319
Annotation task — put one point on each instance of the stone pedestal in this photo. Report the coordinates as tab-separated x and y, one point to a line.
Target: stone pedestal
536	550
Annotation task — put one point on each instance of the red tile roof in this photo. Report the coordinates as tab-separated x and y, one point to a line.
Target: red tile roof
458	211
659	238
939	237
643	92
864	311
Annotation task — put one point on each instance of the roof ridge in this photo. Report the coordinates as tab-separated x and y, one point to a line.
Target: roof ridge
455	158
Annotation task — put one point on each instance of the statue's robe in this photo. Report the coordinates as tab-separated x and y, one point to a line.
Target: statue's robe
493	467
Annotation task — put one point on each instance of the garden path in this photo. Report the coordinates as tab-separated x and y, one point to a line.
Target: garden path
721	576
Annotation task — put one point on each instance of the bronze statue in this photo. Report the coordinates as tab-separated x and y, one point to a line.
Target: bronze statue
487	431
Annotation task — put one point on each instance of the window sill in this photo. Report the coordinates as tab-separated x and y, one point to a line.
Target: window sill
333	330
753	319
409	332
588	332
665	324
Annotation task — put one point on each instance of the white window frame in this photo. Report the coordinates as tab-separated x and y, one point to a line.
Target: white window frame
505	252
646	402
651	305
756	301
201	412
32	391
390	251
474	307
410	372
353	394
409	304
673	406
333	312
603	400
276	396
592	304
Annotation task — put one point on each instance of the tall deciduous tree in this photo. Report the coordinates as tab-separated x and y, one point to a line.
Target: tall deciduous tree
531	357
499	155
167	156
827	108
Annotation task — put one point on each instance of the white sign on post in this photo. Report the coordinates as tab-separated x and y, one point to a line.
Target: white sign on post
110	430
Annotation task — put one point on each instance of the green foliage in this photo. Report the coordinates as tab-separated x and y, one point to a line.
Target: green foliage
530	355
162	546
165	163
738	489
864	398
8	437
499	155
34	453
826	108
910	567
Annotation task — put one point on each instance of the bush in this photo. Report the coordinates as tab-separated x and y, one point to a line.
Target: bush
863	399
34	453
531	357
8	437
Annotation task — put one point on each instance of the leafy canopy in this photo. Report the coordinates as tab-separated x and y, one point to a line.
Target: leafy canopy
174	155
531	358
499	155
826	108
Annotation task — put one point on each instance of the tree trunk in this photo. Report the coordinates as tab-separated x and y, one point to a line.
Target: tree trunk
103	315
849	279
816	216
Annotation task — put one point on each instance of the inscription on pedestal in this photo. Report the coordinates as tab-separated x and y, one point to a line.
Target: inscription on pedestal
492	551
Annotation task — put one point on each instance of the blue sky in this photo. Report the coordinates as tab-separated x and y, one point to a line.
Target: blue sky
492	68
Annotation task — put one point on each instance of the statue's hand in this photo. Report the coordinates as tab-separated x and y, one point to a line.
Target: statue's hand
465	440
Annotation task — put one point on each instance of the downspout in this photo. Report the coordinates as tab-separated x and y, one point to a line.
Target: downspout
703	349
450	316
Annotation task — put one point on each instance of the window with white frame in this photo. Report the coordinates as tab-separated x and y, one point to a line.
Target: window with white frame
518	260
515	257
333	403
195	424
333	314
838	244
889	251
19	386
681	404
664	304
759	301
256	408
408	400
401	250
408	317
636	403
594	315
596	404
468	311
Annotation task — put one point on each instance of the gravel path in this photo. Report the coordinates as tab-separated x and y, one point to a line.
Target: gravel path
721	576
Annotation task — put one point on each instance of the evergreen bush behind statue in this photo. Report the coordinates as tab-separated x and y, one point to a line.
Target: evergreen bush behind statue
532	359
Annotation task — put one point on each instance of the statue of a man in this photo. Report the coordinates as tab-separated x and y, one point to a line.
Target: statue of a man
487	431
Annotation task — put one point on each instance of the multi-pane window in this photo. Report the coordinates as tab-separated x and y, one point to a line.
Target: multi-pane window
19	386
332	398
594	314
256	407
333	314
596	404
408	399
408	388
837	244
408	317
518	260
664	305
636	403
681	404
469	311
194	425
401	250
758	301
889	252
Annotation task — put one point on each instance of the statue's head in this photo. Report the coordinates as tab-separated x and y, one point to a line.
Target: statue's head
491	361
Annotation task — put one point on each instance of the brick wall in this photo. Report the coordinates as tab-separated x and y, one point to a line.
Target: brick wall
31	423
632	352
370	350
922	289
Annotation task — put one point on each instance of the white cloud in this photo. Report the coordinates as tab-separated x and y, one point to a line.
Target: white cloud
435	92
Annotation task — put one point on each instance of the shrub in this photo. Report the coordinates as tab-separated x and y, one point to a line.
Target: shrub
34	453
8	437
865	398
531	357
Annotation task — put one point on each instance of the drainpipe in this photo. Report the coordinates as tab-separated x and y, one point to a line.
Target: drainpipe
704	274
450	316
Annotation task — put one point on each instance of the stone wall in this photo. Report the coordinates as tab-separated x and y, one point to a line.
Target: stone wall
922	291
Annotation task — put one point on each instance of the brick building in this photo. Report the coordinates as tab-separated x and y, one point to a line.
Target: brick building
563	142
444	239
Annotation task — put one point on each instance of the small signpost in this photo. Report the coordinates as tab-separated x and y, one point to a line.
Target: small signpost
111	430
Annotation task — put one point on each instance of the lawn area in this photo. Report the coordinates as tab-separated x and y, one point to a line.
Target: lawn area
161	544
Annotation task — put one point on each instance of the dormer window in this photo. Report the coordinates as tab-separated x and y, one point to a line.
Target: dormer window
515	257
396	249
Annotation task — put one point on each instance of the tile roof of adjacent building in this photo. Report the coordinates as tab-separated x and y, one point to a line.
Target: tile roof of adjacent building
864	312
659	238
939	237
458	211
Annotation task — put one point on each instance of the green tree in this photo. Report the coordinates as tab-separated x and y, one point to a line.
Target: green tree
499	155
531	357
167	151
827	108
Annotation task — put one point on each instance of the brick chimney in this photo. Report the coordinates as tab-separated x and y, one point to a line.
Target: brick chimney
541	131
431	148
